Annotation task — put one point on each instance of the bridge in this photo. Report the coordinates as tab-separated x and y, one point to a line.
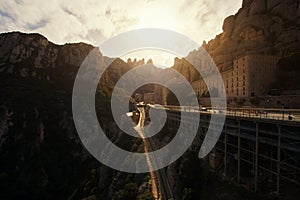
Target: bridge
259	148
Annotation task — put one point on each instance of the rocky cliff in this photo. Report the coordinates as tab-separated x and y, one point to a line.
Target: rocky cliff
260	26
25	53
41	156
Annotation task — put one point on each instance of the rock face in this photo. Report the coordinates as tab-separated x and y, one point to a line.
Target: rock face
32	55
26	54
259	27
39	52
186	69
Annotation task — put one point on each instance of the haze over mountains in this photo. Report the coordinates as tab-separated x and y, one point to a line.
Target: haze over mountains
267	27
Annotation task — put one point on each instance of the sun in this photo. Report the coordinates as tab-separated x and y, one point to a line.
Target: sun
155	16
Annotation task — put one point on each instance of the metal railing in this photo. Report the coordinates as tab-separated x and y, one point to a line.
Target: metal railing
247	112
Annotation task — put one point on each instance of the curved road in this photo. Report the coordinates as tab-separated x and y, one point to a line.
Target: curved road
159	176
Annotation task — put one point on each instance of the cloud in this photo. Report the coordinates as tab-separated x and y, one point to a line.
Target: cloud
95	35
69	12
37	25
4	14
19	1
93	20
206	16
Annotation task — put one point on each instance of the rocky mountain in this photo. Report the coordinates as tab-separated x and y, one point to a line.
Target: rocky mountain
260	26
41	156
186	69
32	55
25	53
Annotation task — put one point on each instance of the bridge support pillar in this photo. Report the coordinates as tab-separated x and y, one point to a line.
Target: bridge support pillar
278	160
256	157
225	150
239	151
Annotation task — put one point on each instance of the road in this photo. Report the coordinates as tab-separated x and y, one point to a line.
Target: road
159	178
261	113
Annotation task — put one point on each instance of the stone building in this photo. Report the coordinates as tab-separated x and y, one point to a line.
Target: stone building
247	76
149	98
161	94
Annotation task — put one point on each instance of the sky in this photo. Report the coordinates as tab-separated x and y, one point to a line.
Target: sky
94	21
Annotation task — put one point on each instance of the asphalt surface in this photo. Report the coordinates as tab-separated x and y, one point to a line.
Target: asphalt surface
163	186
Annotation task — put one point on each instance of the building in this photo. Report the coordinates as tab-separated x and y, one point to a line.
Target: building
252	75
247	76
161	94
149	98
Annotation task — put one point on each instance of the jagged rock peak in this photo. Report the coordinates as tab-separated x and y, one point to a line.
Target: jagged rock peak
135	62
247	3
150	61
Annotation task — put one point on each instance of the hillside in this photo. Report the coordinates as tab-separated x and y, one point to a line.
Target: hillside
41	156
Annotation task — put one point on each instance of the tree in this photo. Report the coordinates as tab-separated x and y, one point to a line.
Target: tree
187	194
129	192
